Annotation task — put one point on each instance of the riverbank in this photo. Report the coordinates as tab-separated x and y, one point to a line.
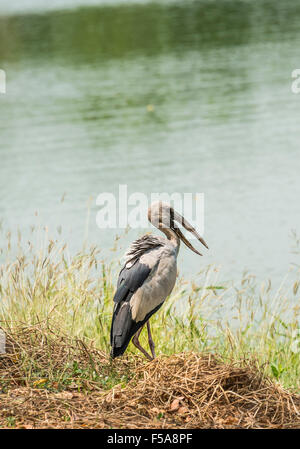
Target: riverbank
52	382
234	344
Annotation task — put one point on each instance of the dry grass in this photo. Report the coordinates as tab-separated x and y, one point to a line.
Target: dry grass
51	381
45	283
56	311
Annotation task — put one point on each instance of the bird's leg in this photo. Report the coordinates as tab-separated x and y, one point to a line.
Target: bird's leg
137	344
150	340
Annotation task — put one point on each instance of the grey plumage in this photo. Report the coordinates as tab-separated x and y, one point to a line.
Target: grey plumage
123	326
141	245
147	279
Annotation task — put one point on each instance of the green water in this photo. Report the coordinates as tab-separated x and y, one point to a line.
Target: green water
74	120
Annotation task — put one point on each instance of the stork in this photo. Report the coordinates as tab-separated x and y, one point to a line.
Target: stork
147	278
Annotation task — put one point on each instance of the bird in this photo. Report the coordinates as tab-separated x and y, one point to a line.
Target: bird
147	278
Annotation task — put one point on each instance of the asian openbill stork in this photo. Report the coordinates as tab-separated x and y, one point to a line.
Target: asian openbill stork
147	278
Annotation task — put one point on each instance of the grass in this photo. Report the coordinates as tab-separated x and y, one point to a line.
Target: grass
56	310
186	390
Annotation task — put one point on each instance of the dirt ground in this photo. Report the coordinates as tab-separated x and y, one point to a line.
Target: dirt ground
186	390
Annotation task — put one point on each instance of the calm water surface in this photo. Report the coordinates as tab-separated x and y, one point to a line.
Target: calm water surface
74	120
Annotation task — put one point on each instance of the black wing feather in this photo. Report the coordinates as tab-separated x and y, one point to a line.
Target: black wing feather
127	329
130	279
123	327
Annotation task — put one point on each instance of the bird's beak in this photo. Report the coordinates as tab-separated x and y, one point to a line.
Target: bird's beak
189	228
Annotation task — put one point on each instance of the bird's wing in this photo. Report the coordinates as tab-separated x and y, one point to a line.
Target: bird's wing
130	279
123	327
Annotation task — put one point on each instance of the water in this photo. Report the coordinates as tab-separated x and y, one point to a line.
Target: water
74	121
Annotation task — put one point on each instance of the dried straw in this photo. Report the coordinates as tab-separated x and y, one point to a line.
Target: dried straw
185	390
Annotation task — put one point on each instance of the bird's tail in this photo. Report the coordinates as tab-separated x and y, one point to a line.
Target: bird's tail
122	329
116	351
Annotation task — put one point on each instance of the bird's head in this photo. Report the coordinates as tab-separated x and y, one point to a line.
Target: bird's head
164	217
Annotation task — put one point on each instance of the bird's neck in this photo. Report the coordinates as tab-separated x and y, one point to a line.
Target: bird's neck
172	236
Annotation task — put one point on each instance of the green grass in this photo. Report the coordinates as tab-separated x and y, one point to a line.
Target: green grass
46	288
